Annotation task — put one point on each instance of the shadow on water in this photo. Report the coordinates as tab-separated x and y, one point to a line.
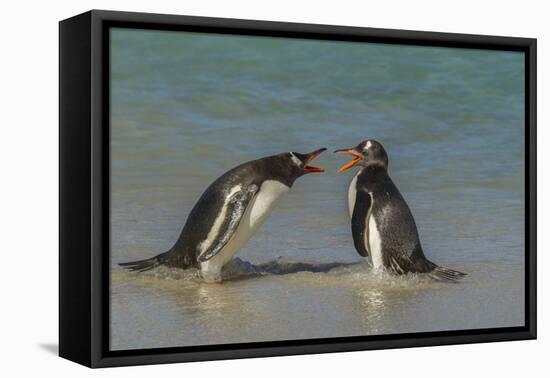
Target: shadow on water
238	269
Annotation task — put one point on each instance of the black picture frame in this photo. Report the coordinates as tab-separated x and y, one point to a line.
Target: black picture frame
84	188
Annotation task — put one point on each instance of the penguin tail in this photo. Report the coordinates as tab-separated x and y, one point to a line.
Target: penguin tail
440	273
144	265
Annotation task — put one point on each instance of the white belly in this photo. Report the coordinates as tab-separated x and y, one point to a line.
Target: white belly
375	243
256	213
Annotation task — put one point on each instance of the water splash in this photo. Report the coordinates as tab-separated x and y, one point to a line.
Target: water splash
240	269
335	274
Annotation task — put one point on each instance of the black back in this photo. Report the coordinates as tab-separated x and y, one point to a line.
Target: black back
202	216
394	220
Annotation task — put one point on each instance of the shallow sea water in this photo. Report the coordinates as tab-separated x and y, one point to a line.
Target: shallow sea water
187	107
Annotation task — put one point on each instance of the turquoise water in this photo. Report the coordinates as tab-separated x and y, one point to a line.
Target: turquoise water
187	107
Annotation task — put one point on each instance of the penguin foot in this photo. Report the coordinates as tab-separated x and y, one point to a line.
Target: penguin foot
209	277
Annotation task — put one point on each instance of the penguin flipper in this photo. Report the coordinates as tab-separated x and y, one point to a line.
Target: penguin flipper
358	221
236	206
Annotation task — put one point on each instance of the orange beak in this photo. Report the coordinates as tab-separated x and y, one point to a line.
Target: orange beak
349	151
310	157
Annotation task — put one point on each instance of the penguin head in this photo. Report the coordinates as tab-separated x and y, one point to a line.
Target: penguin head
298	164
368	152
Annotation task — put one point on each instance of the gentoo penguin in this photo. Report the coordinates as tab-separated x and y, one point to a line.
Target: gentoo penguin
381	221
229	212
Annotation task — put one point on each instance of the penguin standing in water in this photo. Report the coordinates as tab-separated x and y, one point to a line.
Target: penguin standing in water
381	221
229	212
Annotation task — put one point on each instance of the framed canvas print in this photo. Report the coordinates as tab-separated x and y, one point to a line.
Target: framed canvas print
234	188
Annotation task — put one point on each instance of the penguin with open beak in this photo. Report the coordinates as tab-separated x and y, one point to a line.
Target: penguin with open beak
382	224
230	211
